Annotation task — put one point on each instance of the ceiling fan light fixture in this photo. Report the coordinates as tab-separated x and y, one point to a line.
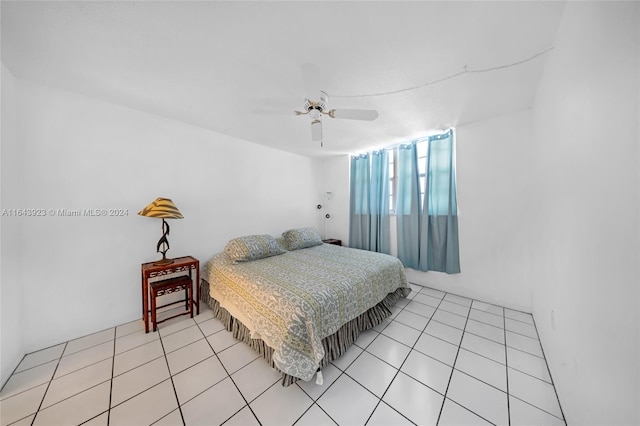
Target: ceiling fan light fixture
316	130
314	114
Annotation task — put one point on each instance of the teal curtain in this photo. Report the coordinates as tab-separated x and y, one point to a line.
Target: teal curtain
360	218
408	206
369	227
428	231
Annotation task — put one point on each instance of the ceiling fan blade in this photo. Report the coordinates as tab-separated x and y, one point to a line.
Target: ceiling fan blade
354	114
316	130
311	80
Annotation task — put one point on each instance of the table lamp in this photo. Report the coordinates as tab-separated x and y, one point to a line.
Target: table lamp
165	209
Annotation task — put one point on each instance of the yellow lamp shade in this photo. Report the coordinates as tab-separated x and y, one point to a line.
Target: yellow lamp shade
162	208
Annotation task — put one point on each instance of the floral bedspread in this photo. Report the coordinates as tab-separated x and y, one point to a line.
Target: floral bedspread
294	300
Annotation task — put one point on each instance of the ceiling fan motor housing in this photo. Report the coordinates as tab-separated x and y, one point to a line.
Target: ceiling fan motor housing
314	109
311	105
319	106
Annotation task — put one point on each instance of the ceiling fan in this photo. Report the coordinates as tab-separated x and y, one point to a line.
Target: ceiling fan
316	104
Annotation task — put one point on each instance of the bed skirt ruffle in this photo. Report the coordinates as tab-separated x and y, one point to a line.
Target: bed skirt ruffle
334	345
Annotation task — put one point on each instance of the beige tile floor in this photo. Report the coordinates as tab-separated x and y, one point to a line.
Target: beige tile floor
441	359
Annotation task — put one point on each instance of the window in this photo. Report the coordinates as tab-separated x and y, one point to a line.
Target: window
421	147
427	239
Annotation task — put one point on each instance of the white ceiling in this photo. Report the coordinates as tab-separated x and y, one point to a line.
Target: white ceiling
234	67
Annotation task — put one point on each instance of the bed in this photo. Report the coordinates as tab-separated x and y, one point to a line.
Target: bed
302	306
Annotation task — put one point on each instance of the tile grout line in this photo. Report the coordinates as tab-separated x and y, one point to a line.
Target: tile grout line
493	360
523	350
108	410
472	376
477	300
192	398
137	366
68	397
163	355
81	368
564	419
113	366
215	353
483	382
48	385
87	348
453	368
134	347
313	402
486	338
76	394
171	378
343	372
14	372
486	303
31	387
58	359
524	372
405	359
520	321
538	408
506	366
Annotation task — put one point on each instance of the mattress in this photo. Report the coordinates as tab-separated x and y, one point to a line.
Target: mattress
294	300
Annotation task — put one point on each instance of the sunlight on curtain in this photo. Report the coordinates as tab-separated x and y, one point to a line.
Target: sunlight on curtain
408	206
428	234
369	226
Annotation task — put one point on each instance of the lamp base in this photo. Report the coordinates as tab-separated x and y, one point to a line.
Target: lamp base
163	262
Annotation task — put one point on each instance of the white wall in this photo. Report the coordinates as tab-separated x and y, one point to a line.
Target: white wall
335	179
493	177
11	300
585	249
82	274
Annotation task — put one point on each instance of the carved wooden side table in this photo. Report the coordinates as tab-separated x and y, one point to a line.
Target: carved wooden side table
169	273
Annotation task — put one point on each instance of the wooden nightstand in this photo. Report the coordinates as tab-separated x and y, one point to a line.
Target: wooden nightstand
333	241
181	264
168	286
